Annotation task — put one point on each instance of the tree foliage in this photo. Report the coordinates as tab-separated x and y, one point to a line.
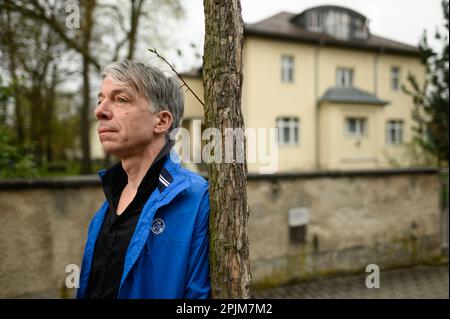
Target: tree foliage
51	68
14	160
431	111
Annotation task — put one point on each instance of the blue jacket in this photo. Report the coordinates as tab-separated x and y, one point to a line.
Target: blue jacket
168	254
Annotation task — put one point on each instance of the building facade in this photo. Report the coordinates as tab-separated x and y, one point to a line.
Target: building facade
330	87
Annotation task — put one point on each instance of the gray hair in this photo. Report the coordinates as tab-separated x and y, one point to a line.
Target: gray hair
163	92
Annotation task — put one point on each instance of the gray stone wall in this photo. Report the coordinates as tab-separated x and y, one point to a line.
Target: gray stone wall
390	218
42	230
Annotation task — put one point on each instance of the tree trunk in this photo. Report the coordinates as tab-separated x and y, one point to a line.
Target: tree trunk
87	26
36	100
49	113
19	125
222	80
86	167
135	14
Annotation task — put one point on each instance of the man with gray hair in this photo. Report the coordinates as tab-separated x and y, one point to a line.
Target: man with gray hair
149	239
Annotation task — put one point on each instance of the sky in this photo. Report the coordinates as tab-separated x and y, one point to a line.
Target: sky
400	20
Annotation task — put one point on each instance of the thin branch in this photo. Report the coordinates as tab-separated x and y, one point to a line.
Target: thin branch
118	47
179	76
38	13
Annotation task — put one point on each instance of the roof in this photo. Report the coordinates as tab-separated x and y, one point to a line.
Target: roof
324	7
351	95
279	26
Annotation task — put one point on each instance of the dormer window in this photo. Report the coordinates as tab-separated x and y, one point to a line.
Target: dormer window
339	22
315	21
360	30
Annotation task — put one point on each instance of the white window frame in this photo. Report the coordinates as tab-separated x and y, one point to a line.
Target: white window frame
315	21
361	124
395	132
395	78
293	126
344	77
287	68
360	30
341	27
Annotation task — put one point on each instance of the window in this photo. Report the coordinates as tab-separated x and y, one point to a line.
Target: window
315	21
395	78
426	133
360	29
394	132
288	130
356	126
341	28
344	77
287	69
337	24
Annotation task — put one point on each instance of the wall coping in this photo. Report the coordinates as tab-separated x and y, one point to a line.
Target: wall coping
346	173
50	182
94	180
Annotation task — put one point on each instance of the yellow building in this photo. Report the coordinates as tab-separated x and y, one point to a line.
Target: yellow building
331	88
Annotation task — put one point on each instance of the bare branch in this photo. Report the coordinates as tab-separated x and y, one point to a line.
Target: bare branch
179	76
39	14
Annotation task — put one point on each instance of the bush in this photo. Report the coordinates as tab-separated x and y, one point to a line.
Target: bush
14	160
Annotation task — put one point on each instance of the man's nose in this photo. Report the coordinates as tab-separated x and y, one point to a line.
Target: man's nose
102	111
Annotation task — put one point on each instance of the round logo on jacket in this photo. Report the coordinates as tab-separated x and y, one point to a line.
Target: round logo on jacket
158	226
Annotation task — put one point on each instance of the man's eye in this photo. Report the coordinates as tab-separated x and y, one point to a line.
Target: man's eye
99	101
121	100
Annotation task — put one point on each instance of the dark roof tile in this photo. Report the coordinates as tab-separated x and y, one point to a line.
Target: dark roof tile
280	26
351	95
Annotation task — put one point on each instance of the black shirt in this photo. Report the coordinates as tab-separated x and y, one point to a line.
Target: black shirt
117	230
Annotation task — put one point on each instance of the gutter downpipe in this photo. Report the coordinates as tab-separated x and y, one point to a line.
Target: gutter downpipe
316	97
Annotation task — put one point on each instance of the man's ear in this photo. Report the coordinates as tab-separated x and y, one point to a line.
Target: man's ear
164	120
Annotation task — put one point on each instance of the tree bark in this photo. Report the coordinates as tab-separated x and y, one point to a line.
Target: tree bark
87	26
38	12
50	113
222	80
19	122
135	14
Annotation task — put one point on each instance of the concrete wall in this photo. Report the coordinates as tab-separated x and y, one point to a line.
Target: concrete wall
43	228
389	218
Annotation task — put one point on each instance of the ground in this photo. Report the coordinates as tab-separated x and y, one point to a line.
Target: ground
418	282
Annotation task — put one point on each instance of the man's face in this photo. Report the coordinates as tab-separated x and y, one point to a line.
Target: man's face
125	123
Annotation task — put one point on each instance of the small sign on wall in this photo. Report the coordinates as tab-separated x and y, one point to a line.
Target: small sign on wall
298	220
298	216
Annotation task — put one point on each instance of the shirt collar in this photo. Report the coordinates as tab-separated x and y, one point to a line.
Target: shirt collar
115	178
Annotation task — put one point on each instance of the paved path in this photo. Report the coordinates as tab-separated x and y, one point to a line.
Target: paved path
429	282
